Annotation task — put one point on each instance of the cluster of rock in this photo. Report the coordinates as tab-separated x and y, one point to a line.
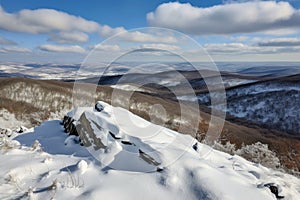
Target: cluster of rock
6	132
88	137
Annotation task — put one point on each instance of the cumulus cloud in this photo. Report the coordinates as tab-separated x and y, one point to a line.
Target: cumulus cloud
62	49
277	42
245	17
15	49
44	21
7	42
135	36
67	28
69	37
106	47
107	31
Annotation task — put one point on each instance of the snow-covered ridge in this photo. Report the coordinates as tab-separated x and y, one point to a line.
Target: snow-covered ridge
125	157
275	105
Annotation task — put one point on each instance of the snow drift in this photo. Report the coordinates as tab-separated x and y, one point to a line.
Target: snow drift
113	154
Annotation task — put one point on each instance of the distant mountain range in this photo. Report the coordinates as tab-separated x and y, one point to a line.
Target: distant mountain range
70	71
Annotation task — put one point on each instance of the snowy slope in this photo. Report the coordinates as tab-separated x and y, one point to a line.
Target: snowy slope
126	157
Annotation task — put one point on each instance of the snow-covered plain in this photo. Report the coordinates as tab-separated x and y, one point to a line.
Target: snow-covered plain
137	160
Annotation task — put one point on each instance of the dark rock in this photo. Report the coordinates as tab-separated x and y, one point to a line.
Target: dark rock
126	142
6	132
195	146
68	125
87	134
64	120
98	107
73	130
20	130
159	169
148	158
274	189
114	136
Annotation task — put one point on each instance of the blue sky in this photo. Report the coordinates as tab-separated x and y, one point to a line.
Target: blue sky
66	30
127	13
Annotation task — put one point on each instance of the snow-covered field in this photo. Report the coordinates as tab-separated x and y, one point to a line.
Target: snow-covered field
40	71
126	157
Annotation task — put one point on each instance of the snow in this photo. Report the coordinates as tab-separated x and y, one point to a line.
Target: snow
41	71
255	103
169	82
9	120
82	166
230	82
128	87
63	169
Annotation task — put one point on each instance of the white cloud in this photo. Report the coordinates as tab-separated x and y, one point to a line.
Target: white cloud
108	48
7	42
62	49
160	47
15	49
69	37
107	31
145	48
135	36
67	28
246	17
226	48
44	21
138	36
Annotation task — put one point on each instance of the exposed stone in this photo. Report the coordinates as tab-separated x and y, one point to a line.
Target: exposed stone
87	135
148	158
274	189
99	107
114	136
126	142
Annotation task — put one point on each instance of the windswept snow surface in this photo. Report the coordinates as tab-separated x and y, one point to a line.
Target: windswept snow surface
58	167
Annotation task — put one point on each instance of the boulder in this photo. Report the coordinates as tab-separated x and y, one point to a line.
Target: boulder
99	107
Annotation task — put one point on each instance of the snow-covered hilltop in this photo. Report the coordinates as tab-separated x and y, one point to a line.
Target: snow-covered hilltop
118	155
